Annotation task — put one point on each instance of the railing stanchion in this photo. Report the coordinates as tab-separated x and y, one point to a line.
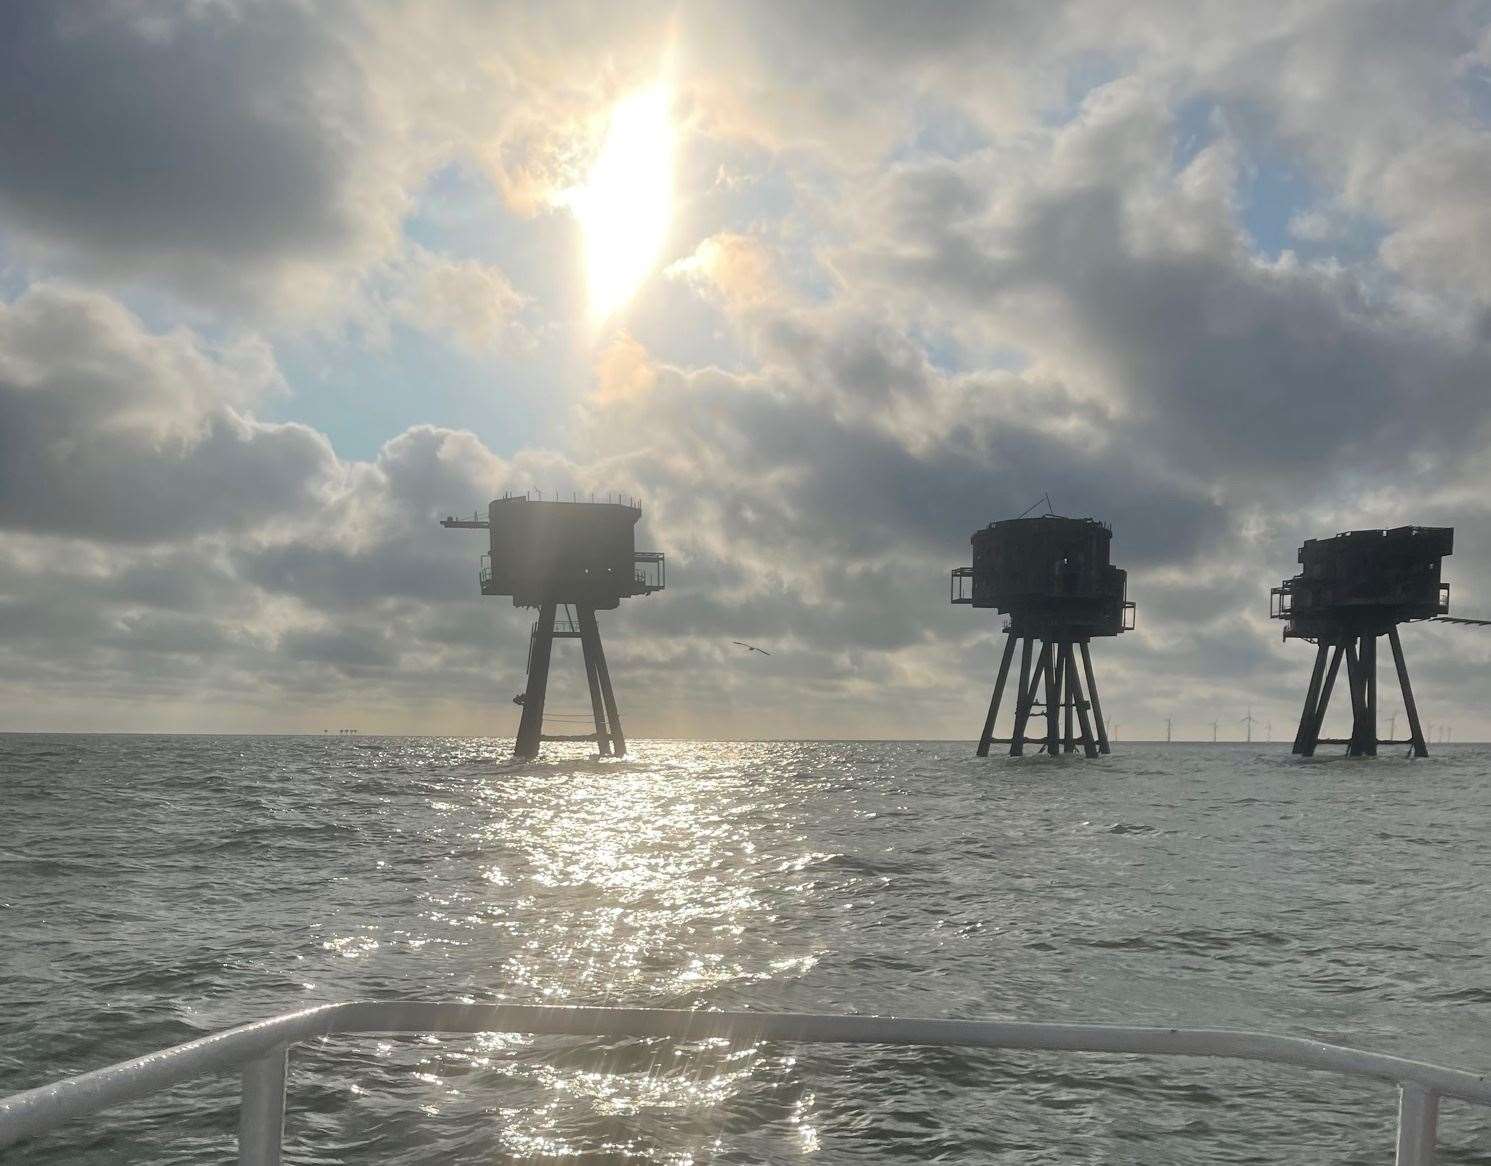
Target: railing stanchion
261	1110
1418	1120
259	1050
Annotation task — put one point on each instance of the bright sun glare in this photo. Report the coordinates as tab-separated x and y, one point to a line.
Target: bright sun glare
627	201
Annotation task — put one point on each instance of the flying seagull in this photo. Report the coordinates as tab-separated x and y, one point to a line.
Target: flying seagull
750	647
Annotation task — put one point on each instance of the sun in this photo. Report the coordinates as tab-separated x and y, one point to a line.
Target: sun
626	204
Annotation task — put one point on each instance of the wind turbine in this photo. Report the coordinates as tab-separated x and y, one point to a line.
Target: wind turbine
1167	730
1248	720
1214	732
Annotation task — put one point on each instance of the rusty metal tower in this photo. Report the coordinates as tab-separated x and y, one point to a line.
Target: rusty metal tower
1052	577
1351	590
576	556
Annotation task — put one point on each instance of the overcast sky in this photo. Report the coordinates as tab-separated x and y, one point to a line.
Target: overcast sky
280	284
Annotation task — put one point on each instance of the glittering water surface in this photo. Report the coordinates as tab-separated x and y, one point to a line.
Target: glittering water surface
153	889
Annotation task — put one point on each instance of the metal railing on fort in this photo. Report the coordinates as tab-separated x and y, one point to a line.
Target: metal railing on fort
260	1052
651	572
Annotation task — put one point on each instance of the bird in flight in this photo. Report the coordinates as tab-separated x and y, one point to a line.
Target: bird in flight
750	647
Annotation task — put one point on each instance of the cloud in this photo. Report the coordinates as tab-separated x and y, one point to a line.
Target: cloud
964	255
736	266
233	152
123	435
1273	376
159	541
471	302
622	370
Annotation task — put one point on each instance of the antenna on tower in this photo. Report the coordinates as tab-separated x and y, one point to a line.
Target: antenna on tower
1046	498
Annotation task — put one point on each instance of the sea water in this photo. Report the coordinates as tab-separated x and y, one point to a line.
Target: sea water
157	888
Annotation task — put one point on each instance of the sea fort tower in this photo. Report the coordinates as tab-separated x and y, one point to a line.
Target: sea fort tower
568	560
1351	590
1051	576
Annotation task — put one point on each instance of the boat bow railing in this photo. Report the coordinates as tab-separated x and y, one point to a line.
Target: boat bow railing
259	1051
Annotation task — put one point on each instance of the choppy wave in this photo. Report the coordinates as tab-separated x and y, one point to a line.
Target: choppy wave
153	889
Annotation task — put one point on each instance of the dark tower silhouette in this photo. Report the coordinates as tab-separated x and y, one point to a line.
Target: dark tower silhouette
1052	577
579	556
1352	589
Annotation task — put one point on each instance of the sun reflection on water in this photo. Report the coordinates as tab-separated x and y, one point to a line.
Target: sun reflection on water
639	882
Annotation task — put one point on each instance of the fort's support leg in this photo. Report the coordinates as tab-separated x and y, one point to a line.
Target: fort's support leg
1317	715
1312	697
590	638
613	718
1053	699
531	725
1092	695
1004	671
1420	749
1023	698
1038	678
1352	683
1058	698
1068	687
1369	694
1358	698
1089	746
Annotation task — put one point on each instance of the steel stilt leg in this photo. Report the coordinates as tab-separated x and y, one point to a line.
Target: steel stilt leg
1369	694
1092	696
531	725
1023	698
1053	700
1004	671
589	639
1357	681
1410	706
613	718
1312	697
1068	677
1089	746
1312	737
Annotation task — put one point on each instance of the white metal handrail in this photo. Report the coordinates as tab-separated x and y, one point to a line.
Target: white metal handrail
261	1049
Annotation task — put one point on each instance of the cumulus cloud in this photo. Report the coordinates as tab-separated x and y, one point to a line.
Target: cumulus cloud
234	152
964	255
737	267
473	302
120	434
158	542
1278	375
